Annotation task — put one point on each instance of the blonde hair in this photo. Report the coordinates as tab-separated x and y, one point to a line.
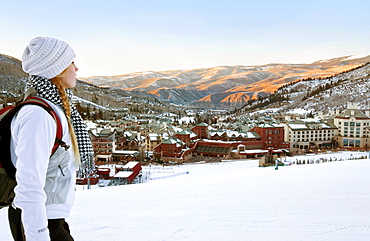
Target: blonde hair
57	81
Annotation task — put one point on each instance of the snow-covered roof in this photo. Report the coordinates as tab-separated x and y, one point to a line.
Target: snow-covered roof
235	134
126	153
123	174
254	151
153	136
131	164
298	126
169	141
352	113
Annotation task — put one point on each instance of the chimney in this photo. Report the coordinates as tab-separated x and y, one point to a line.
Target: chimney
352	106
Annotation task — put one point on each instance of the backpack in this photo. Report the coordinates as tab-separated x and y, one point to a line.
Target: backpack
7	169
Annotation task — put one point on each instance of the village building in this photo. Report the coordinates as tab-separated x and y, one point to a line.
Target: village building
186	137
308	135
208	148
127	174
124	156
171	147
201	131
353	128
153	140
272	136
103	143
250	139
120	138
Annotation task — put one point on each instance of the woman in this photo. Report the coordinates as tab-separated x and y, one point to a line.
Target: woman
44	194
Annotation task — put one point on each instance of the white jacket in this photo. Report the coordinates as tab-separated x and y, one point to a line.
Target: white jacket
45	186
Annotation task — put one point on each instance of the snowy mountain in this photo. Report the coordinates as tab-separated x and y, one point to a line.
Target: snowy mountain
224	86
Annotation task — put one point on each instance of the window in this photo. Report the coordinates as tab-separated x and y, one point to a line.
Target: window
345	123
352	123
358	142
351	142
345	142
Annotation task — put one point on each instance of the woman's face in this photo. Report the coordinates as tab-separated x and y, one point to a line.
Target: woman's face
69	78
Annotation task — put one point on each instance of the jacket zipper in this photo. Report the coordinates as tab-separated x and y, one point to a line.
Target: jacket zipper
61	170
57	179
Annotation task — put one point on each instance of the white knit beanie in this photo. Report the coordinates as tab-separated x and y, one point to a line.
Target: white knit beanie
47	57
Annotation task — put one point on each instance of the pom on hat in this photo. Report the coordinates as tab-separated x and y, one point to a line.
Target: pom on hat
47	57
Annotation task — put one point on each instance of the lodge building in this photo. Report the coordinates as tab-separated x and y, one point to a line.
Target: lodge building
308	135
353	128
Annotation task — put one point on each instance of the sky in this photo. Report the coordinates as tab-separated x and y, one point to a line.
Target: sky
231	201
115	37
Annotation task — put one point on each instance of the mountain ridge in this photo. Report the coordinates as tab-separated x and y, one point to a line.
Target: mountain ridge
224	86
311	93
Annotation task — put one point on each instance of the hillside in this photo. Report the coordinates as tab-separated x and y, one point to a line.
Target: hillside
12	77
93	101
316	95
224	86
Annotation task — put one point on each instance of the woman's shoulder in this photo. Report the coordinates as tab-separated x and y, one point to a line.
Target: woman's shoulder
33	113
55	107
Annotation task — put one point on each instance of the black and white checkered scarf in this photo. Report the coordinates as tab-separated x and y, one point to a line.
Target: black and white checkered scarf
47	90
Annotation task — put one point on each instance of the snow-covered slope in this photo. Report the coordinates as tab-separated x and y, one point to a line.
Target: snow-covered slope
231	201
